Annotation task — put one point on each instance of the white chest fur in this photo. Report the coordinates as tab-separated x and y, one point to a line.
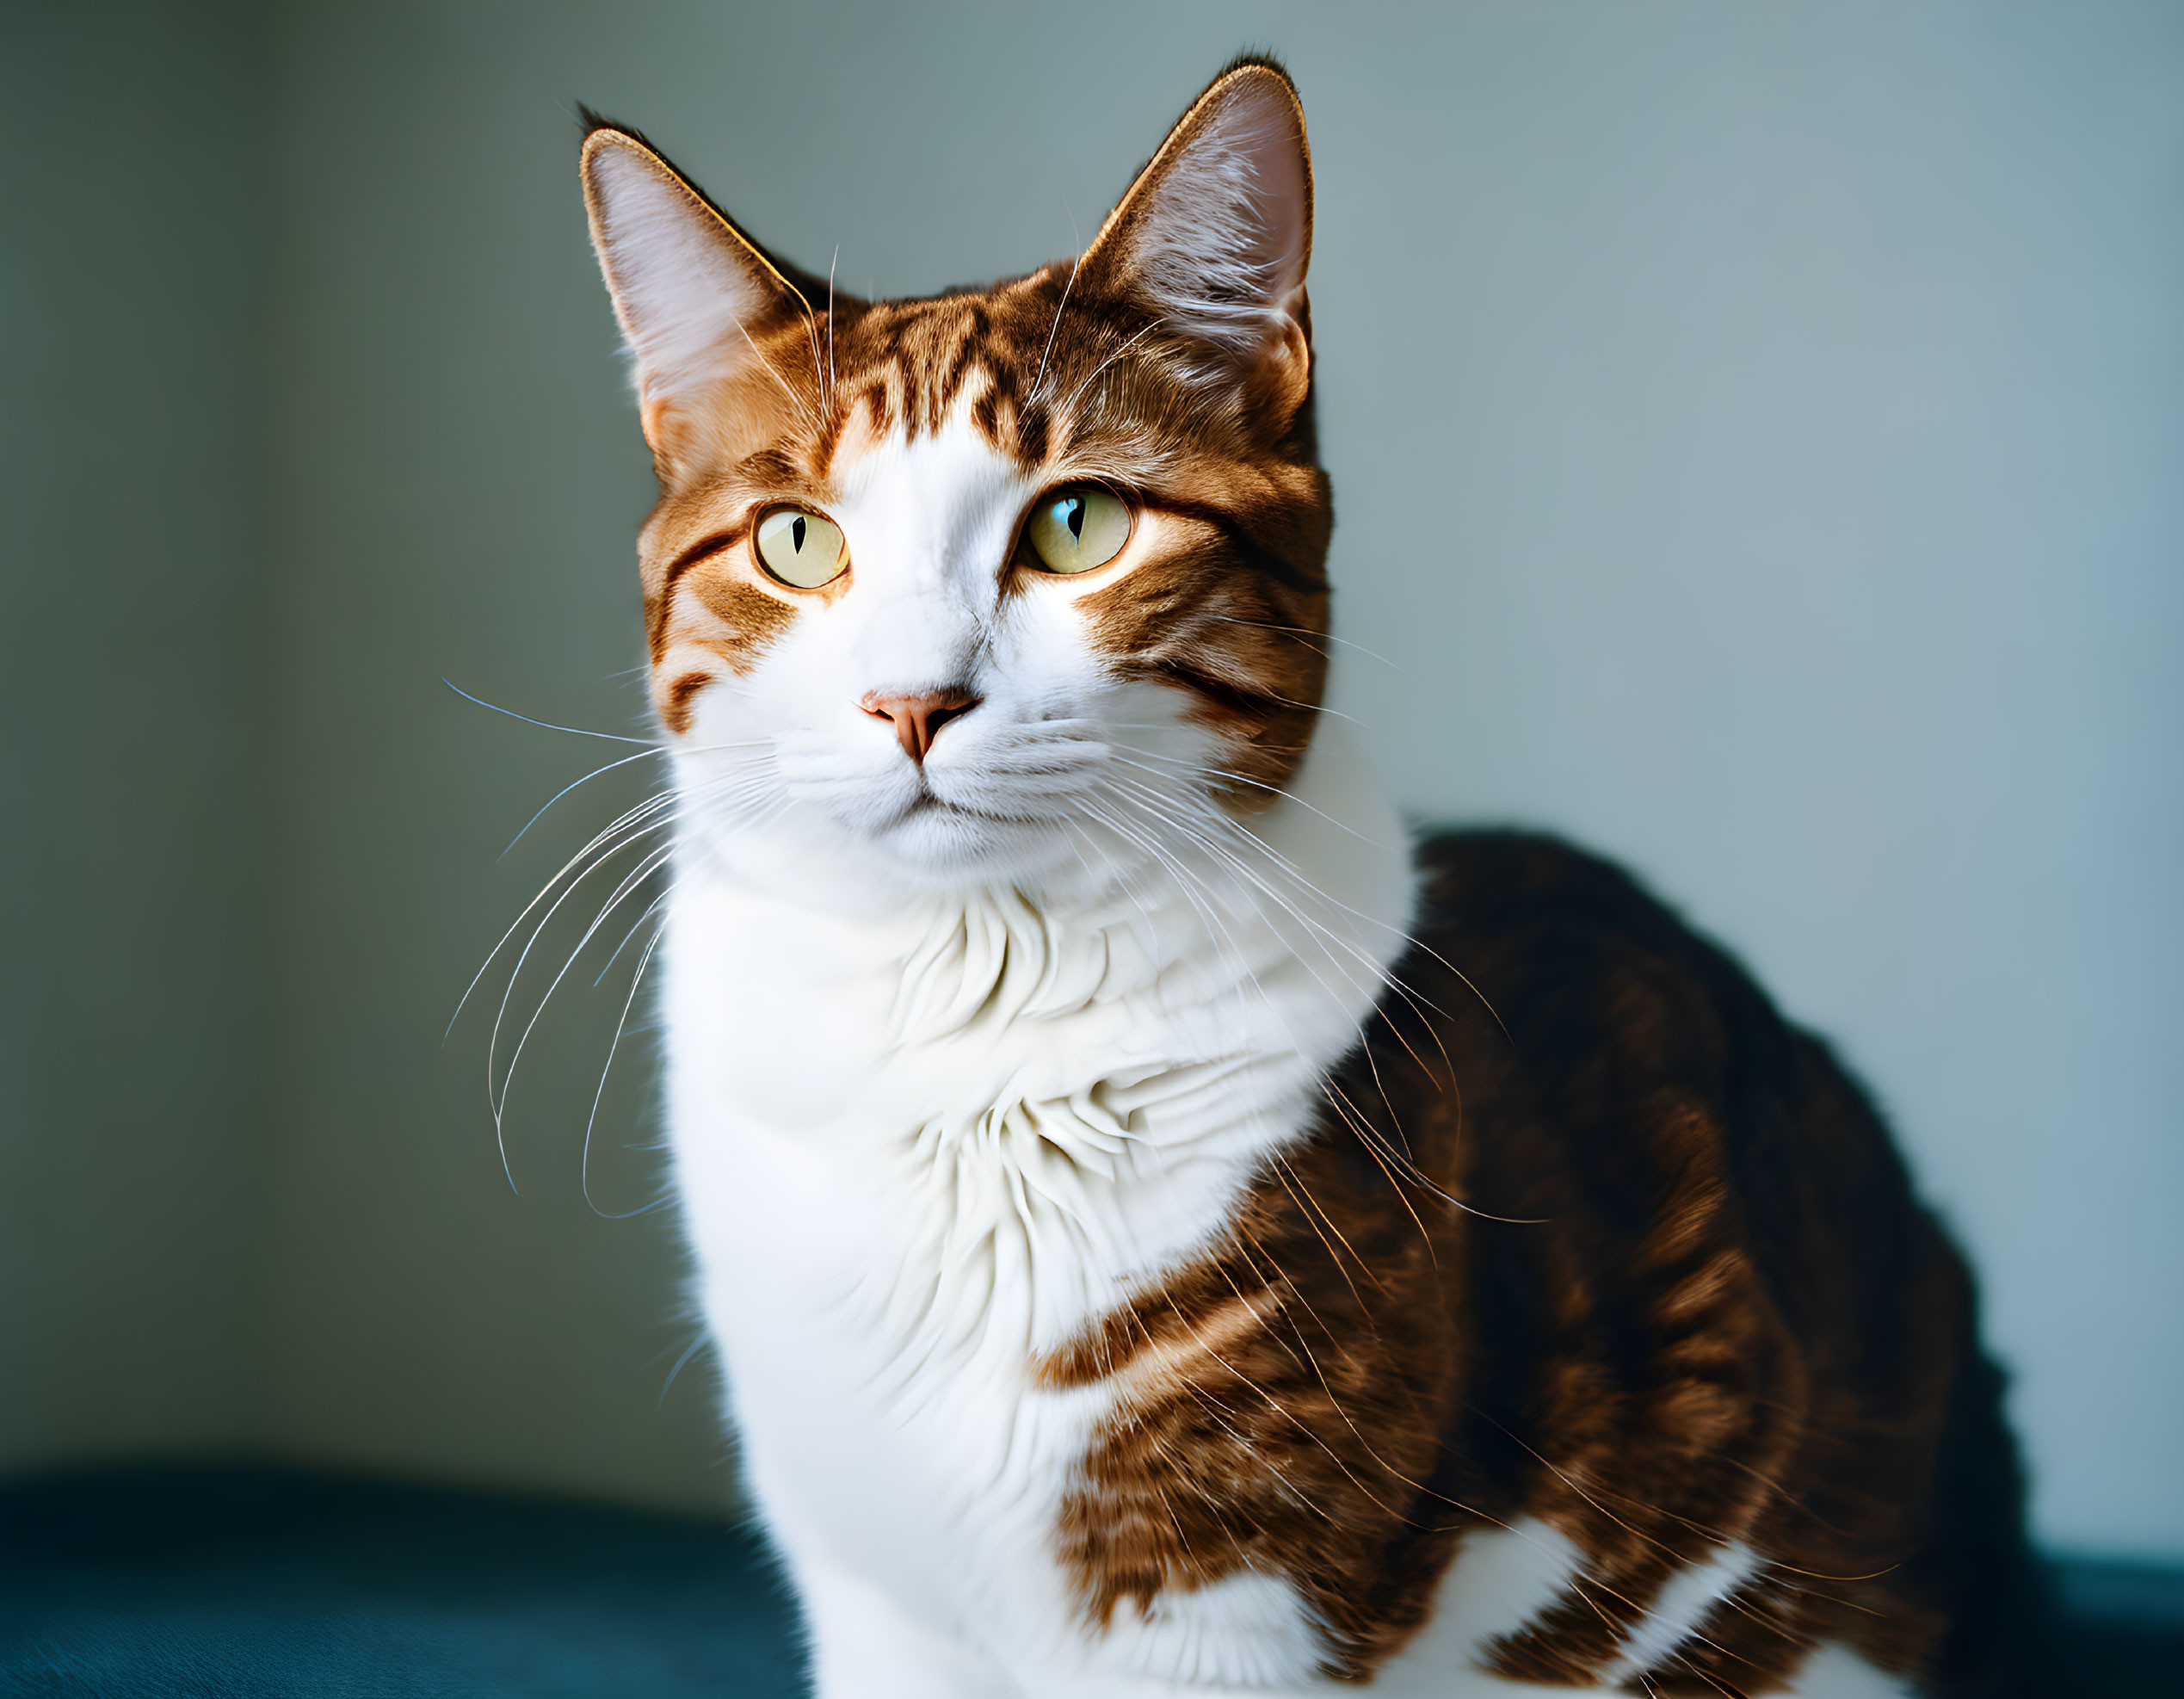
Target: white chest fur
922	1139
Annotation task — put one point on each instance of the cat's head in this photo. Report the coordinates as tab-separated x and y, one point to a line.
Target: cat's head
959	580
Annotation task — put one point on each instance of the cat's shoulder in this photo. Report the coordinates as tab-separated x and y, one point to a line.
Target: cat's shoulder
1524	938
1470	870
1557	909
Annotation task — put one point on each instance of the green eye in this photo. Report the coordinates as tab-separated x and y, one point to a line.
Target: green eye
1076	530
801	548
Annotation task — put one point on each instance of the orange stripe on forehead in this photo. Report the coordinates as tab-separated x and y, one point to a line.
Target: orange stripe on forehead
1040	364
909	366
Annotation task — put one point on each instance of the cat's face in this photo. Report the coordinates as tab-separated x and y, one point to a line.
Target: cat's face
970	579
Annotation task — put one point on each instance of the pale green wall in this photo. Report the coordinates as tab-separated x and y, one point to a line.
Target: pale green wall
134	846
459	496
1755	434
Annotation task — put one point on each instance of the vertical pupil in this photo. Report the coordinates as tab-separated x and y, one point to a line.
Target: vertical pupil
797	528
1076	520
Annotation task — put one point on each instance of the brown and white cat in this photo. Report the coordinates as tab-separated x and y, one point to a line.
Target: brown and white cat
1165	1233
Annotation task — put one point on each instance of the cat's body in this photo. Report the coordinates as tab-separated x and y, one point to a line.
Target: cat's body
1157	1245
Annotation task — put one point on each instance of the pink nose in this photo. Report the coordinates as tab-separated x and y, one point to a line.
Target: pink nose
918	719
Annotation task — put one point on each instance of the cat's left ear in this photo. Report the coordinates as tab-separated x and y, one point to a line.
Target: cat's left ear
1217	231
698	301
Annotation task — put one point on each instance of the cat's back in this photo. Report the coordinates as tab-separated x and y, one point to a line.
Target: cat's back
1598	1057
1704	1318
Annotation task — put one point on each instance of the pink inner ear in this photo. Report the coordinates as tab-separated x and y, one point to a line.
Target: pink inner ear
1264	131
690	294
1224	234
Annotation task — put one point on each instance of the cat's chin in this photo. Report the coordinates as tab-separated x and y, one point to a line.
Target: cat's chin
944	845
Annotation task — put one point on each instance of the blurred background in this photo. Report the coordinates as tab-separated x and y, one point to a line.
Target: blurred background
1758	434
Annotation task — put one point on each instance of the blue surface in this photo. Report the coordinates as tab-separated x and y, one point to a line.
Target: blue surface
257	1582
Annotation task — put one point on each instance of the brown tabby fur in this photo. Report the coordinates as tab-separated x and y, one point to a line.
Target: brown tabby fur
1586	1233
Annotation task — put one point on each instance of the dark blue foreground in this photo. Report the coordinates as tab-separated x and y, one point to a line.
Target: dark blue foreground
253	1581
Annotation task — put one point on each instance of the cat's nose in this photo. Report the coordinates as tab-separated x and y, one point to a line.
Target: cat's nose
918	719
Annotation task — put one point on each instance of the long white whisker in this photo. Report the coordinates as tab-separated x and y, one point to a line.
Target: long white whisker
583	1163
1325	937
812	332
1063	308
802	401
650	862
1299	631
574	731
1193	893
1409	939
1225	941
651	909
703	748
1151	803
500	1016
634	824
690	1350
565	790
628	818
1238	778
1069	407
1345	1113
831	263
660	799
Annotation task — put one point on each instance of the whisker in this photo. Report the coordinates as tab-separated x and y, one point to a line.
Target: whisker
1410	939
702	749
1038	381
831	263
574	731
697	1344
492	1044
583	1162
802	401
651	909
1069	406
654	813
1271	790
595	773
651	863
628	817
1299	631
1204	827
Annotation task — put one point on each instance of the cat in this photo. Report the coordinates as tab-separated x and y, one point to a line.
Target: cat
1165	1233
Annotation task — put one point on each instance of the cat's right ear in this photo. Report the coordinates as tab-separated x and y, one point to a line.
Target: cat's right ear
698	303
1216	233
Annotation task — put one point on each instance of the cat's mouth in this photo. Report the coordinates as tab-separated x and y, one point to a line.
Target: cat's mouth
933	837
929	803
934	821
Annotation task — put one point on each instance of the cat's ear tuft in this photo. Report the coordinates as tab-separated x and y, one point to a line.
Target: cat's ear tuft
1217	231
695	297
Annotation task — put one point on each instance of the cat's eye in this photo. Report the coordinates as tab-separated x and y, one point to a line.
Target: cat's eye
801	547
1076	530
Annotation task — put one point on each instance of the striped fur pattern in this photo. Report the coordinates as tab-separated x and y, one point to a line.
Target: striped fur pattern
1164	1234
